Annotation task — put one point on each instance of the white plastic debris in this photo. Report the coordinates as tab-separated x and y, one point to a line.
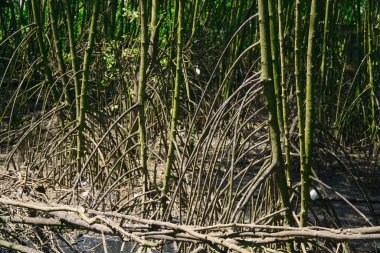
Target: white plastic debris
314	195
114	107
85	193
197	71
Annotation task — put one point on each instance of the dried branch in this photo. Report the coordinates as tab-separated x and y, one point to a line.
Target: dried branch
20	248
231	236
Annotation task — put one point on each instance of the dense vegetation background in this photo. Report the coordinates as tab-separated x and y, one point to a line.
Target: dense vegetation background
192	113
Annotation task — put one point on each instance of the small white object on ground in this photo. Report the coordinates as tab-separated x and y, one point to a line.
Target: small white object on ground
197	71
314	195
85	193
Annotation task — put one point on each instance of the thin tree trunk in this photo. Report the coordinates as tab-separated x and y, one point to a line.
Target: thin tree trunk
370	63
175	107
326	32
275	59
84	85
358	33
309	114
122	9
154	37
114	4
299	87
274	131
44	54
142	92
73	56
195	16
284	96
58	52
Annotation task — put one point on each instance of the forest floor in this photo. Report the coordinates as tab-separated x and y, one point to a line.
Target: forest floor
337	177
340	181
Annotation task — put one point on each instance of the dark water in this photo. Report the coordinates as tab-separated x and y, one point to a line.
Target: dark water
91	243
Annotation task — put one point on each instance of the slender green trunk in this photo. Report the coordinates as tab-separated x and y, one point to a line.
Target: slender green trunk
173	29
324	53
195	16
120	26
358	34
284	95
370	63
358	49
41	43
175	107
73	56
154	37
274	131
233	16
114	4
14	23
275	59
309	114
142	92
58	51
299	87
84	85
44	53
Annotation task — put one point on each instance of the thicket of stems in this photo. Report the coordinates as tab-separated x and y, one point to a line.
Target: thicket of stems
191	112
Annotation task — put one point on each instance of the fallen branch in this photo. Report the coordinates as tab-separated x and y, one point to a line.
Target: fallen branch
31	220
18	247
144	231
